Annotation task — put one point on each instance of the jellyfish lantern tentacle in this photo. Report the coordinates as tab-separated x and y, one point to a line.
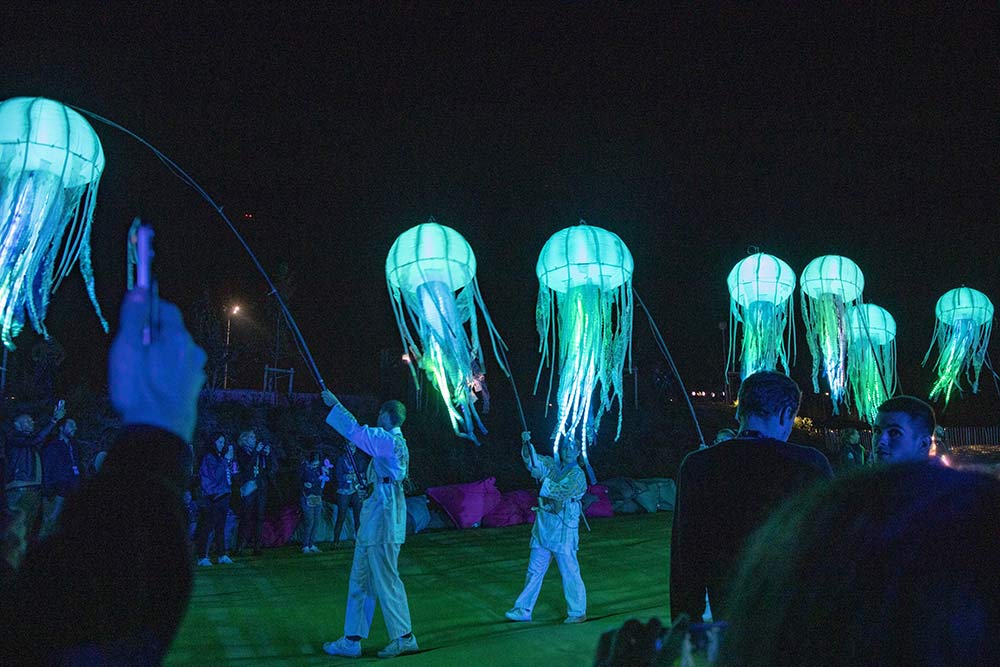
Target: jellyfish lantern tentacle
871	369
50	163
584	321
831	285
962	334
425	268
760	290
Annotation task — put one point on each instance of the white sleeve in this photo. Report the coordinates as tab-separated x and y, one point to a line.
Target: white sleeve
371	440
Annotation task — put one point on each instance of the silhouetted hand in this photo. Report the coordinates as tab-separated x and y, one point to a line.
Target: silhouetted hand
158	383
328	398
633	644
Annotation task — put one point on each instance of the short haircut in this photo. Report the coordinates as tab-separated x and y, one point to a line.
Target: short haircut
889	548
919	412
396	412
767	393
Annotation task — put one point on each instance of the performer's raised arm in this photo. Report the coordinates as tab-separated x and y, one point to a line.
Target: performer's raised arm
374	441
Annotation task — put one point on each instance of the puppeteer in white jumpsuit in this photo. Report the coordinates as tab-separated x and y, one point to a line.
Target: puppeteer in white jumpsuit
374	571
556	533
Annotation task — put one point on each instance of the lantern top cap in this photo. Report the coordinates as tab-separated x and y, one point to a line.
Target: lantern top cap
584	255
761	278
833	274
870	322
39	134
430	252
964	303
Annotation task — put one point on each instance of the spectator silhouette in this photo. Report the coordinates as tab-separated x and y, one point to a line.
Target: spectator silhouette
895	565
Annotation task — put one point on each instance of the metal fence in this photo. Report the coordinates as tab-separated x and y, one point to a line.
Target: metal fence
954	436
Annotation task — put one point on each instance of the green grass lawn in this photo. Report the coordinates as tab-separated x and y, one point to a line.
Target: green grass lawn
279	608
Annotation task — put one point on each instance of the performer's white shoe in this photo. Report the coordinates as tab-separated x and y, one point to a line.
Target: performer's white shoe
344	647
518	614
575	619
399	646
204	562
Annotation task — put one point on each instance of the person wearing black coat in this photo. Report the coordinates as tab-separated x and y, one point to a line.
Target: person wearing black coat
727	491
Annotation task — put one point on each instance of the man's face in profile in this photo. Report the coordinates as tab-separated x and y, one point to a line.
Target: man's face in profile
898	438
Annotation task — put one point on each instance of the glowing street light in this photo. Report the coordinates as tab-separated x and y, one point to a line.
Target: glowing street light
233	311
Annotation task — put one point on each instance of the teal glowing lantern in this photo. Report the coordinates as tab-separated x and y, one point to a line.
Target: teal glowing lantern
585	312
871	368
760	290
431	273
50	164
830	286
962	334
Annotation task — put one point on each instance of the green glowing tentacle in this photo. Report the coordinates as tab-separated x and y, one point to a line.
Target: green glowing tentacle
962	349
826	333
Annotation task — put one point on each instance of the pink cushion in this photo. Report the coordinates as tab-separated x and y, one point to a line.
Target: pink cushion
601	506
466	504
278	530
514	508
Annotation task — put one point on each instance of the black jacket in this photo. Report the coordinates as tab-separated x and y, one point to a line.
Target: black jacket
22	468
724	493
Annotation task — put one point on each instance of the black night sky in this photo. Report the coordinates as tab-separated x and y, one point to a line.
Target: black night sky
691	134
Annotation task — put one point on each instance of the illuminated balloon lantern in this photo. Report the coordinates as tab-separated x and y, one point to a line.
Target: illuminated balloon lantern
830	286
431	272
50	164
962	334
760	290
589	322
871	369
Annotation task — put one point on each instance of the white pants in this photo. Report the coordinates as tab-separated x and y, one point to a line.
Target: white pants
569	568
375	576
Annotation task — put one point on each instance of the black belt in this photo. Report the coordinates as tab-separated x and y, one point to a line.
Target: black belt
387	480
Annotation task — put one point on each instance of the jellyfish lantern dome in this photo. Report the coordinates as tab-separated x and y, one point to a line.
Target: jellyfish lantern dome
760	291
431	273
831	285
50	163
962	334
584	314
871	368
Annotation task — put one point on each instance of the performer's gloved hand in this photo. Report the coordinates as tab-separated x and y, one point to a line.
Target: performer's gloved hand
328	398
155	384
538	473
59	412
526	437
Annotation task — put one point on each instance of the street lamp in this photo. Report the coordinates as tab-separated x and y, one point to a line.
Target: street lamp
229	327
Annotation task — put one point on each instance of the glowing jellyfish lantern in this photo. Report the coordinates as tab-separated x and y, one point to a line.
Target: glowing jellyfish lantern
830	286
425	268
589	270
760	290
50	164
962	334
871	368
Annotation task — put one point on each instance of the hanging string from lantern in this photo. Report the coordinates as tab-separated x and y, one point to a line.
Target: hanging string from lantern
184	177
662	345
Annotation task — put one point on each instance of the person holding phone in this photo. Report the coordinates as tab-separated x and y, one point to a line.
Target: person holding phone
216	475
61	468
254	462
24	465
